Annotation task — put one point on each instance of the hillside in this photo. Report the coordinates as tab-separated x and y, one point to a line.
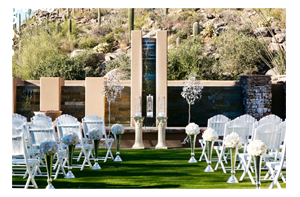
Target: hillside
214	43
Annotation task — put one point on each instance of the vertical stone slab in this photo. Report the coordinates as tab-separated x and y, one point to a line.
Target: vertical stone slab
161	68
136	71
94	99
15	82
50	93
257	94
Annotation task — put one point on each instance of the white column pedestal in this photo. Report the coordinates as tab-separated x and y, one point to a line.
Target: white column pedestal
138	144
161	142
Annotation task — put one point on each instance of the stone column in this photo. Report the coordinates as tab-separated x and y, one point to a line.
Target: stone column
138	144
257	93
161	69
94	99
161	138
136	70
50	93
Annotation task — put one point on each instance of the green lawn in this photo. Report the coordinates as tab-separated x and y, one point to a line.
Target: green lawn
149	168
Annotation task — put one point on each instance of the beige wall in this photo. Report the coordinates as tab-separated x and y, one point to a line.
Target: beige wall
136	70
94	99
50	93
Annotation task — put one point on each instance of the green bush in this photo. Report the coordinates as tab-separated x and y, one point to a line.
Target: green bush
87	42
123	63
239	53
189	57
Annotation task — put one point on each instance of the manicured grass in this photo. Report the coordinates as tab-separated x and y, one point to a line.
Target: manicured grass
149	168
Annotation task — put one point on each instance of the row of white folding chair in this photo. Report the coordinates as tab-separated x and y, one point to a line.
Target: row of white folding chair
41	129
275	169
19	149
270	134
67	123
93	121
217	123
266	120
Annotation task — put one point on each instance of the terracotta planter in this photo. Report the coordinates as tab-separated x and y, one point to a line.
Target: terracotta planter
52	114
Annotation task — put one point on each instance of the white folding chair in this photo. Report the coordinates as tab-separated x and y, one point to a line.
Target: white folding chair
270	135
248	119
275	168
266	120
67	123
42	129
19	149
217	123
238	126
93	121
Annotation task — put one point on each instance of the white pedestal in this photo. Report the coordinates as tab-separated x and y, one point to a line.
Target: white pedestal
161	138
138	144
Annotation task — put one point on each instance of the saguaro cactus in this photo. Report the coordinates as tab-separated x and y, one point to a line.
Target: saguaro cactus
99	17
166	11
19	23
68	12
130	21
195	29
70	26
29	13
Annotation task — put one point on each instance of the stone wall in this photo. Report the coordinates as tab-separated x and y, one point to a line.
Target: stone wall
257	94
73	101
226	100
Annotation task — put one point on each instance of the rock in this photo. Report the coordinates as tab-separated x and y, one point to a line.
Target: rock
77	51
283	45
115	71
210	16
267	40
272	72
276	30
274	47
150	34
262	31
280	38
220	29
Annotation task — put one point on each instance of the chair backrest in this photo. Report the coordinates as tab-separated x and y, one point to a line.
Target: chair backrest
93	121
41	130
238	126
248	119
269	134
67	123
41	117
19	124
282	128
19	147
266	120
218	122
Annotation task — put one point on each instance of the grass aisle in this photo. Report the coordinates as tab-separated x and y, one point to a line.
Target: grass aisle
149	168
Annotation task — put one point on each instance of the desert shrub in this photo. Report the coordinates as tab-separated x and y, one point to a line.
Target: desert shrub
123	63
189	57
88	59
87	42
239	53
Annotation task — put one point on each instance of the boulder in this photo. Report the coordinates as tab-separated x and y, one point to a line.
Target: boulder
77	51
280	38
262	31
274	47
267	40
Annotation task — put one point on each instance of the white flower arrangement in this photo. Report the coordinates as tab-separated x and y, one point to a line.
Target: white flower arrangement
192	129
233	141
117	129
48	147
71	139
210	135
257	148
95	134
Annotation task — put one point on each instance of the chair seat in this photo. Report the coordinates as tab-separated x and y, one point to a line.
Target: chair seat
22	161
275	165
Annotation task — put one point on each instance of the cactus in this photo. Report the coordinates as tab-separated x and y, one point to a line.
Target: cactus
19	23
70	26
165	11
195	29
57	12
178	41
68	12
65	18
29	13
130	21
58	28
99	17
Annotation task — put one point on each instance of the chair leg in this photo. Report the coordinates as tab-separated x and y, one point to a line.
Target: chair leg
79	156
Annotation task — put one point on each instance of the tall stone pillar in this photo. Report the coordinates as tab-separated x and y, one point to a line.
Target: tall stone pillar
50	93
161	69
257	93
136	71
94	99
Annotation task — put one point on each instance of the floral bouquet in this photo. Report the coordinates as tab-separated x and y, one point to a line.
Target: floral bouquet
192	130
71	140
95	134
117	130
209	136
49	148
257	149
233	142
